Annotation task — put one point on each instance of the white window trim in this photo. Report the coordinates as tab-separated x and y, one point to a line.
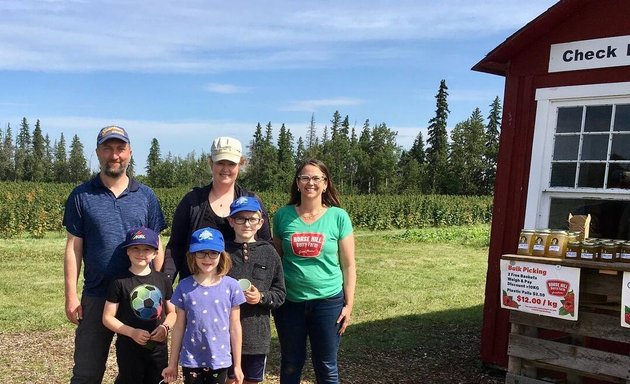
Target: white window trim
549	99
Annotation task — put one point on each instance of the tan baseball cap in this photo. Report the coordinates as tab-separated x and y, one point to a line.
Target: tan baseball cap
226	148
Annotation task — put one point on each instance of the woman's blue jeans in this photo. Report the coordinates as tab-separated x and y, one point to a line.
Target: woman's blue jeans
317	320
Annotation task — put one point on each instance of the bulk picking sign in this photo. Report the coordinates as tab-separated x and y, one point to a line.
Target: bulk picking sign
541	289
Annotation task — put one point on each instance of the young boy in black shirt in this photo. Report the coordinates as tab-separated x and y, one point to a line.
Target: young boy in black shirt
139	310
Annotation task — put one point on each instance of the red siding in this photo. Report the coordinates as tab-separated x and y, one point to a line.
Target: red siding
525	67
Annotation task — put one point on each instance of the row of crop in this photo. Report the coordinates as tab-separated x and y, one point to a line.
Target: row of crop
36	208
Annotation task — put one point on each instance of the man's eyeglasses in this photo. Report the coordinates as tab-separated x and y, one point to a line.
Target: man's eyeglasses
315	179
250	220
209	254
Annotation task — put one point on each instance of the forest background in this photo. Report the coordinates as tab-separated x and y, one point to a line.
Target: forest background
364	160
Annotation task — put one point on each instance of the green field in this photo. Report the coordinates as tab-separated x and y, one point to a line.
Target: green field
417	316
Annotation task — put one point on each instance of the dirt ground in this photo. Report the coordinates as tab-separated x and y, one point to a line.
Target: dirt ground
46	357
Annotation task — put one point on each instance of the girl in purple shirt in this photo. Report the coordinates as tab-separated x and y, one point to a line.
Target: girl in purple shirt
207	335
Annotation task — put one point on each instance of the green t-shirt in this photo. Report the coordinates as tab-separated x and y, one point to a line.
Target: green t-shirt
310	252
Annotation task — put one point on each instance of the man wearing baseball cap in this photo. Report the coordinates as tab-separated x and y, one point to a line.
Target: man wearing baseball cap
98	215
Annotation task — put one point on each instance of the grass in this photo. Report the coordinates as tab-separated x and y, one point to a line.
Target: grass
417	315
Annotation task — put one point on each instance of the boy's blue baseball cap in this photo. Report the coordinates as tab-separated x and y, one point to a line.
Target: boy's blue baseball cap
245	203
112	132
142	236
206	239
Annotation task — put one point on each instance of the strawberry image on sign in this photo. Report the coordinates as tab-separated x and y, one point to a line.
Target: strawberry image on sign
627	314
508	301
568	304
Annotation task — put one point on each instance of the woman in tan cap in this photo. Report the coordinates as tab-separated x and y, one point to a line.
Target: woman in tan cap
209	206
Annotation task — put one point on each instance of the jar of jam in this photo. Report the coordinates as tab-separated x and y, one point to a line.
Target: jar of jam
624	252
557	243
541	242
574	249
589	251
525	242
608	251
573	236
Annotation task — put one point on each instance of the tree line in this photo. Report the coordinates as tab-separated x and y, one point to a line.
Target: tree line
365	160
368	160
33	157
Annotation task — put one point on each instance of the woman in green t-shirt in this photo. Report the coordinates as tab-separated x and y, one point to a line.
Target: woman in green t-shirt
315	240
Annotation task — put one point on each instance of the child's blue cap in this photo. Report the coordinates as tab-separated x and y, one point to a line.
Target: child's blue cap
142	236
244	203
206	239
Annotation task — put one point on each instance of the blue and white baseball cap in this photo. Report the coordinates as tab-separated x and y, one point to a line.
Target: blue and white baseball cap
245	203
206	239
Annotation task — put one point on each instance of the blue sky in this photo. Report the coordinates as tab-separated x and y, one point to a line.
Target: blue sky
185	71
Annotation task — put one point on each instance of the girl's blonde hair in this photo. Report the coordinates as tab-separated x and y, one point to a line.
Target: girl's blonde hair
224	266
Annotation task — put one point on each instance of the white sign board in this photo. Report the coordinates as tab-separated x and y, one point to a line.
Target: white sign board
625	300
541	289
588	54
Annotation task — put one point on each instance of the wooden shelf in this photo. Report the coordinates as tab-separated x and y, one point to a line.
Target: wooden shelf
541	347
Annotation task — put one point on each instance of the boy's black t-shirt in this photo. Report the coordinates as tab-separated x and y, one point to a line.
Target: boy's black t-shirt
141	299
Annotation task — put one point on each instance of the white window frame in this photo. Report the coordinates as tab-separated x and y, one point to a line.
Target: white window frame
539	194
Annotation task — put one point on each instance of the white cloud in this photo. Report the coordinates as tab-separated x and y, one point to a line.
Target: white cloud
314	105
196	36
226	89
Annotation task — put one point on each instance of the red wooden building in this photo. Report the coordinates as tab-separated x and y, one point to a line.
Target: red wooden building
565	137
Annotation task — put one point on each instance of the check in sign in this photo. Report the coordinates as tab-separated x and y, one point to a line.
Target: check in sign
587	54
542	289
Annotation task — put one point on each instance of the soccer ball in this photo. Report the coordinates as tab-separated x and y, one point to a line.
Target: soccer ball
146	302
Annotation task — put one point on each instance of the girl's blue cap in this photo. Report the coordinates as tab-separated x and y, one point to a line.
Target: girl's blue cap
206	239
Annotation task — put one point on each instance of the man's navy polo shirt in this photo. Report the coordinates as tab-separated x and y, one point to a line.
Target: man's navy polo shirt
94	214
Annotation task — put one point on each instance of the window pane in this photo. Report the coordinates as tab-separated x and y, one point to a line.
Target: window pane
622	118
591	175
594	147
620	147
563	175
610	219
569	119
566	148
619	175
598	118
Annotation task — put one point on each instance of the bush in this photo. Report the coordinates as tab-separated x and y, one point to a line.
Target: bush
36	208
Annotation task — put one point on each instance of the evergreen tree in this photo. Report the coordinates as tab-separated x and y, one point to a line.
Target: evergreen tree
39	154
7	150
312	132
131	168
61	161
261	174
286	163
300	151
365	177
153	163
437	152
491	155
77	165
352	164
457	160
383	158
23	156
6	155
417	149
466	161
49	171
409	174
